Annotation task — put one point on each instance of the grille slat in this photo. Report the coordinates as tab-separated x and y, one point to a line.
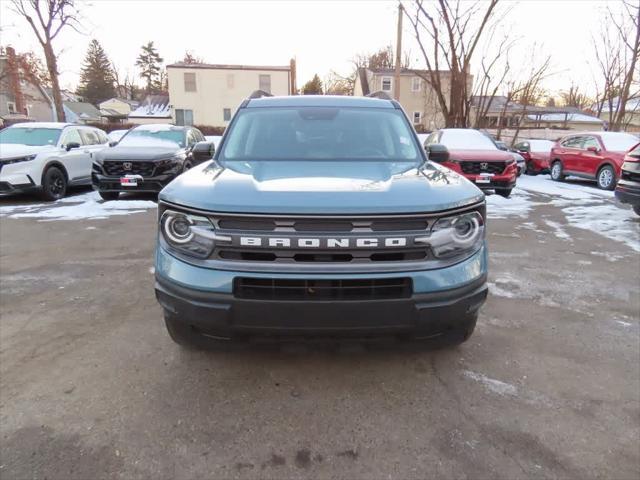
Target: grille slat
322	290
476	168
112	167
241	224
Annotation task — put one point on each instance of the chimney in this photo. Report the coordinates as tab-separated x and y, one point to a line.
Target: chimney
15	88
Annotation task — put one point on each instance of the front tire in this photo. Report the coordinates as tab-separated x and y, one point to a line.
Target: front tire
530	170
557	174
108	196
504	192
606	178
54	184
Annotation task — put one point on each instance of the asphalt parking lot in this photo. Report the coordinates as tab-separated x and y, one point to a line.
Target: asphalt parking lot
91	386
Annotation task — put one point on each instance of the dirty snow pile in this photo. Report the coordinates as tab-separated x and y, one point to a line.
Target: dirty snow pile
78	207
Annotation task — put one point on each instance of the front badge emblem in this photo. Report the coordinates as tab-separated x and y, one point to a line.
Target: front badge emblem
127	165
484	165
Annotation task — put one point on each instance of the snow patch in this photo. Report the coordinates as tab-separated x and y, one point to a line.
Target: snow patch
493	385
80	207
608	220
624	324
558	230
517	204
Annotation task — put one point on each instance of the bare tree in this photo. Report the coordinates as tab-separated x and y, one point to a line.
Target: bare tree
47	19
335	84
575	98
617	52
448	34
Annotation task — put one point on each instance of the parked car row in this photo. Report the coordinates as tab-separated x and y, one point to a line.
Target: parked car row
48	158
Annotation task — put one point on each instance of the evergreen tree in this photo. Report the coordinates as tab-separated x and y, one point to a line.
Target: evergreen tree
313	86
150	63
97	81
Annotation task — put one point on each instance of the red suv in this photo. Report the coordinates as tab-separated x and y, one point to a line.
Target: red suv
536	153
628	189
474	155
596	156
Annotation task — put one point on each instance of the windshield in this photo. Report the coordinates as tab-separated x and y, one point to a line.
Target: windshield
153	138
34	137
466	140
320	133
618	142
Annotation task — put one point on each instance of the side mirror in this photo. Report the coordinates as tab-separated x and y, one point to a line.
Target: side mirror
523	148
593	149
72	145
437	152
113	143
203	151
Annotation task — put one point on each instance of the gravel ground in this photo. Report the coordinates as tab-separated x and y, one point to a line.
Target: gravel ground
91	386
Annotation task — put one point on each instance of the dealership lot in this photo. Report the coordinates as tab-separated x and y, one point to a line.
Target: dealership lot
91	386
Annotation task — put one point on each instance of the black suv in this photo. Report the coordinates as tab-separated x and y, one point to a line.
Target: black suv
147	158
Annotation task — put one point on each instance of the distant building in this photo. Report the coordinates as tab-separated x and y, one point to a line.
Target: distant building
117	110
631	119
81	112
206	94
417	97
153	109
22	98
497	112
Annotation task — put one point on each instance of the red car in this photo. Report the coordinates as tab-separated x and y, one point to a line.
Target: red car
628	189
593	155
536	153
475	155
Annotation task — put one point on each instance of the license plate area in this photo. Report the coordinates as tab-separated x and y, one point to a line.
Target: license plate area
130	180
484	178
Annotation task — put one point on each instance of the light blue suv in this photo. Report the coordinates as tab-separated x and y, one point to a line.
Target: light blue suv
320	216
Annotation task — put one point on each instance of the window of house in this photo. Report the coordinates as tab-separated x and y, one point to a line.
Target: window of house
189	82
184	117
230	80
416	84
226	114
386	84
11	107
417	118
265	83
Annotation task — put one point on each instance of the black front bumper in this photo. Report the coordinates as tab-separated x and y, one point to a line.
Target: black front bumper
419	316
7	188
496	184
628	192
104	183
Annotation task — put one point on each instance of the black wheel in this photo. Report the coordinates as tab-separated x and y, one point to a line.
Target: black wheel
556	171
606	178
54	184
108	196
505	192
636	208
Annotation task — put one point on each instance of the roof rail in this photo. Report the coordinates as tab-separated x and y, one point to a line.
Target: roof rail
260	94
379	94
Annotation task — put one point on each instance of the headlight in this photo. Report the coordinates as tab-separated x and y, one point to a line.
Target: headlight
189	234
27	158
453	236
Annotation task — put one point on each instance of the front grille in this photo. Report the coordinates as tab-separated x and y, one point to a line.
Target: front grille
243	224
321	290
116	168
631	176
476	168
324	256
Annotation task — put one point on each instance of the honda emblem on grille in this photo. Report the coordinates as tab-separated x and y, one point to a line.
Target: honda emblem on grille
127	165
484	165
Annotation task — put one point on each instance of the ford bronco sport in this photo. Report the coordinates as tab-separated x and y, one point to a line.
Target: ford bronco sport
320	216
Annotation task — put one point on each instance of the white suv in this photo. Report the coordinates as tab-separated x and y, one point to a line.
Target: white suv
47	157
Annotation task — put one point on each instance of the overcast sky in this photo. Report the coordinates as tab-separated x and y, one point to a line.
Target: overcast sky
322	35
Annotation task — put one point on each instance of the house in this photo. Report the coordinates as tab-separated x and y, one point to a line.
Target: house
499	112
631	119
153	109
81	112
117	109
22	97
417	97
207	94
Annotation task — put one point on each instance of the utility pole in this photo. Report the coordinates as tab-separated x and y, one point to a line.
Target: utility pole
396	81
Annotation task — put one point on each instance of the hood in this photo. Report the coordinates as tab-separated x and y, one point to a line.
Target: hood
321	187
13	150
480	155
138	153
